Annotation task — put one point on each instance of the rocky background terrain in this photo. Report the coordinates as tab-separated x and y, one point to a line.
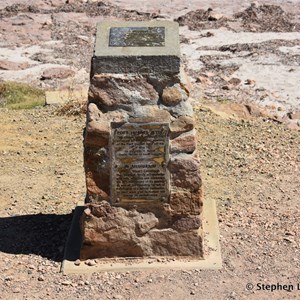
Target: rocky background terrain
244	62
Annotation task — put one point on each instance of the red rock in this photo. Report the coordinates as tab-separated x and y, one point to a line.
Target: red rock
121	91
185	202
98	125
173	95
97	173
187	224
150	113
170	242
93	138
185	81
14	66
109	231
57	73
185	172
234	81
256	111
181	124
184	143
97	133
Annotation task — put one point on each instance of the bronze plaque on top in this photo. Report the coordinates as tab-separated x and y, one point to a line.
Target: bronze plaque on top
137	37
139	155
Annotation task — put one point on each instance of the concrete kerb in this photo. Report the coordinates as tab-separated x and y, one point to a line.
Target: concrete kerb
212	259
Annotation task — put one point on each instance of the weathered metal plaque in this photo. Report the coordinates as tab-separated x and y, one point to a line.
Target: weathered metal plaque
137	37
139	163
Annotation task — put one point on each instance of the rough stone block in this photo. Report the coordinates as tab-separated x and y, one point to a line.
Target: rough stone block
184	143
184	108
94	192
186	202
173	95
180	125
110	231
187	224
149	113
110	92
185	172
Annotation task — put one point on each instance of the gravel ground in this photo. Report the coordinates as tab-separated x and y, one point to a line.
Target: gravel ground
249	166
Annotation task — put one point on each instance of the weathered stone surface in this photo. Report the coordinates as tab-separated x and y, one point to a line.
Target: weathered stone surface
113	231
185	202
187	224
185	172
120	91
94	114
184	108
101	127
94	192
184	143
109	231
96	164
149	113
235	81
181	125
98	125
185	81
95	139
57	73
97	133
161	81
173	95
11	65
169	242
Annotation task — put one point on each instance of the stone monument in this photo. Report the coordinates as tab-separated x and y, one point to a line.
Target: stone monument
144	194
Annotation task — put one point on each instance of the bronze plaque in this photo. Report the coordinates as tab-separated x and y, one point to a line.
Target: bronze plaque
137	37
139	155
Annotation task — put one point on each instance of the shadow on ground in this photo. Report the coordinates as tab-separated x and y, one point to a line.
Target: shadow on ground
39	234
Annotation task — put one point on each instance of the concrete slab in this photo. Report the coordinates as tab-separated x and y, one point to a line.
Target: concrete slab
212	258
137	47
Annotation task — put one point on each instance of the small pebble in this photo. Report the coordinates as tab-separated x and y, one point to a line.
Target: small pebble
66	282
77	262
90	262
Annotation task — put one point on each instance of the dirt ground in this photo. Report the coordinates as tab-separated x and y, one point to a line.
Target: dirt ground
250	161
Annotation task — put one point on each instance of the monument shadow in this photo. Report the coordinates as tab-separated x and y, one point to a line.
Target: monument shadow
40	234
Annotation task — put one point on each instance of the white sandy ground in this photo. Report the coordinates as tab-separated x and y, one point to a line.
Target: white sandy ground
33	73
268	73
266	70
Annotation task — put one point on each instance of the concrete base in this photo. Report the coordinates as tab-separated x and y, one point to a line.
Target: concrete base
212	259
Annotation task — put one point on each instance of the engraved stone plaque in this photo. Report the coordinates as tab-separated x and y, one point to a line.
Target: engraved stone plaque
137	37
139	163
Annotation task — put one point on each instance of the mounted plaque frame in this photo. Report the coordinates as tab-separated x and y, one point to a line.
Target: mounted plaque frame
139	160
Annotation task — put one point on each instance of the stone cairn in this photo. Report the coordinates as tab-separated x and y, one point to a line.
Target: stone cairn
144	195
